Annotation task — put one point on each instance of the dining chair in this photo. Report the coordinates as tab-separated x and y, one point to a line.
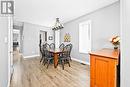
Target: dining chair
70	49
48	58
65	58
40	47
42	53
44	48
47	46
61	47
52	46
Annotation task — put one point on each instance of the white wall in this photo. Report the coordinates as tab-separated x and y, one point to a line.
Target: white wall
105	23
3	52
31	38
125	43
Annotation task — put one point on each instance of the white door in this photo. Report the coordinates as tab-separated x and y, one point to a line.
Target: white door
10	47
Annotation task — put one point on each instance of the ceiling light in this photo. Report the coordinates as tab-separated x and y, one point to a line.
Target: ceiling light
57	25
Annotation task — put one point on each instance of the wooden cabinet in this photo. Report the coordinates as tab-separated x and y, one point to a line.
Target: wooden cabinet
103	68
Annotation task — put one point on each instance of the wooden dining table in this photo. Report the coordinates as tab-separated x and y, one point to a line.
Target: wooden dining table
56	53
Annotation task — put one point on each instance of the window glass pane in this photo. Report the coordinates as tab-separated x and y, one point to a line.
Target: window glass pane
84	37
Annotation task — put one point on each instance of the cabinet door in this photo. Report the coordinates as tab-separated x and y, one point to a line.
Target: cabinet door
103	73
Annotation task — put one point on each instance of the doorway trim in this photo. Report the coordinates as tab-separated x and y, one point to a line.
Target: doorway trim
10	49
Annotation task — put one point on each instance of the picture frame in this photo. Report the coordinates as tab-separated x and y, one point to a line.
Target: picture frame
50	38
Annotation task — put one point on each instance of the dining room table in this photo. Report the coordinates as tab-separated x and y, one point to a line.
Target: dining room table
56	53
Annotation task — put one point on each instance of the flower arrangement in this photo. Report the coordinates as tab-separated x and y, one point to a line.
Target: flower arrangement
115	41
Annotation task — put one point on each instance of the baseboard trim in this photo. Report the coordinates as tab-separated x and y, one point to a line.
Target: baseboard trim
32	56
87	63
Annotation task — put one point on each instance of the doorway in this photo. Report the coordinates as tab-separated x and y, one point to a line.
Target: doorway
16	39
43	37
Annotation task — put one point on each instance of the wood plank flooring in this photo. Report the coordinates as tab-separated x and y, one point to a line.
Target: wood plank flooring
30	73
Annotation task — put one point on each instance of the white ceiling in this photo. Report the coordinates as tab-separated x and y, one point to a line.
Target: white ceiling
44	12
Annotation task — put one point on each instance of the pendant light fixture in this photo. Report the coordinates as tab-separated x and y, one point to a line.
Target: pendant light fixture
57	25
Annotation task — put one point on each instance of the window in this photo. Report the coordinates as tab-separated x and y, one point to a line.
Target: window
85	37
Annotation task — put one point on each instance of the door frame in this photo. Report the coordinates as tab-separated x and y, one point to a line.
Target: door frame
41	31
10	49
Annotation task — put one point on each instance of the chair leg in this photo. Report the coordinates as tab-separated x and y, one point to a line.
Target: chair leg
45	62
70	58
65	61
69	63
41	59
62	61
48	62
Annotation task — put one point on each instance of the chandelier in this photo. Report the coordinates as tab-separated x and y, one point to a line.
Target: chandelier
57	25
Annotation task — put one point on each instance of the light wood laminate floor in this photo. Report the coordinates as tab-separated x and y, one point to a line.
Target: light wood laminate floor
30	73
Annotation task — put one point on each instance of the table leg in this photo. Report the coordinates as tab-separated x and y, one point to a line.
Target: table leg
55	60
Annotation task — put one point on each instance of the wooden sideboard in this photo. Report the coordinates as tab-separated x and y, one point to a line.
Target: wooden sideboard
103	68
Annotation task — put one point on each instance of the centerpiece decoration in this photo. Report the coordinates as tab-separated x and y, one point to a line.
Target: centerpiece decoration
115	41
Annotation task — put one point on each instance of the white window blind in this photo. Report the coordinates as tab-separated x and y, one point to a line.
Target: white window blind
85	37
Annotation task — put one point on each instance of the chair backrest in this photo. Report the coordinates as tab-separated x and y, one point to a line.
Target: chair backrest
47	54
61	47
69	48
52	46
66	51
43	49
46	46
